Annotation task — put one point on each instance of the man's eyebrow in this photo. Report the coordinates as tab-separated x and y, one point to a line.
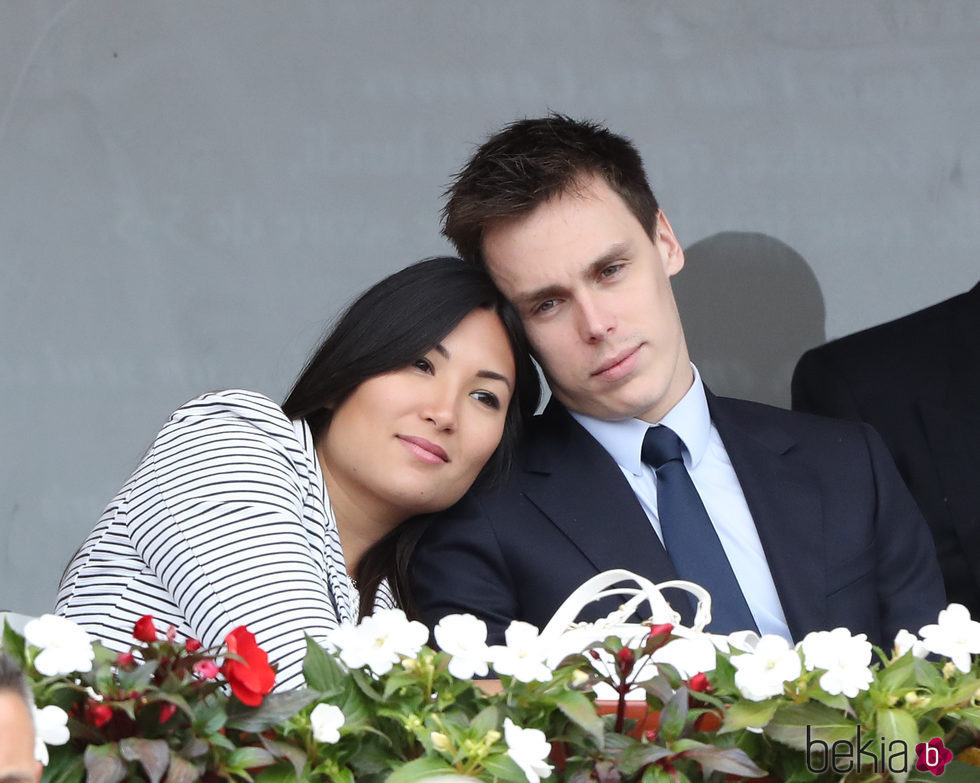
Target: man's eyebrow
613	253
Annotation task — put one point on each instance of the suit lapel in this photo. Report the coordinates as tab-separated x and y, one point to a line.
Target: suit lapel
575	483
784	499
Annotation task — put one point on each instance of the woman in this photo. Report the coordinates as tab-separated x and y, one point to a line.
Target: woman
243	512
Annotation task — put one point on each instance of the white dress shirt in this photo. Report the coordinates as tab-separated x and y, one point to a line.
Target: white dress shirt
711	470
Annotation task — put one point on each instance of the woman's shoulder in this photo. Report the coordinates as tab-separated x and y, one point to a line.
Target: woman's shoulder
237	409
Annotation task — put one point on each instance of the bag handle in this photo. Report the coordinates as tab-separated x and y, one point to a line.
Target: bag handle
604	585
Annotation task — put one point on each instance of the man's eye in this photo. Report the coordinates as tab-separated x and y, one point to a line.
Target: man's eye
611	270
546	305
424	365
487	398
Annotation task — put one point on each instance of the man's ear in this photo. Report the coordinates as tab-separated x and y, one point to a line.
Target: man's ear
668	244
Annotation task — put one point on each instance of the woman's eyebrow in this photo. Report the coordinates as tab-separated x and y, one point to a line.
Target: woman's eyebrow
494	376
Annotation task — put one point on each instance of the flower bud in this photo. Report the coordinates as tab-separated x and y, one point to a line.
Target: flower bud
167	710
699	683
625	660
206	669
949	669
492	736
192	645
441	742
100	714
144	630
172	634
579	680
124	660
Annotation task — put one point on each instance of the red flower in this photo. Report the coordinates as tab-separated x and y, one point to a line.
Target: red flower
124	659
192	645
167	710
145	630
100	714
251	677
206	669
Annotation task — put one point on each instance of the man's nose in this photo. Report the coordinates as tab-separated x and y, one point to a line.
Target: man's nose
595	320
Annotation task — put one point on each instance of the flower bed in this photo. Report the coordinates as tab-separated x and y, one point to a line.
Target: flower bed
380	705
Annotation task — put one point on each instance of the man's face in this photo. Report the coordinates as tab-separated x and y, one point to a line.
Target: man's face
17	764
593	289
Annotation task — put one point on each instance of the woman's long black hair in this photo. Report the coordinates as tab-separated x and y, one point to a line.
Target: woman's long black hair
392	324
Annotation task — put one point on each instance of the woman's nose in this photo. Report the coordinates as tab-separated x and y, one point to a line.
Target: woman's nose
440	406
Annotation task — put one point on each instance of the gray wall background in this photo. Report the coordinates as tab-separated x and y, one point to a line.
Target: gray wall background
189	191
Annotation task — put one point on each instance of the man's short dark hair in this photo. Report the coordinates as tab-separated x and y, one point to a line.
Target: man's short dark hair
531	161
12	679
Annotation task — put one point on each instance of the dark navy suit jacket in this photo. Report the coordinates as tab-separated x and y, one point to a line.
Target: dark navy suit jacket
845	542
917	382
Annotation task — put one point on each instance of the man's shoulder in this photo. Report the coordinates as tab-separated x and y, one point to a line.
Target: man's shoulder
921	333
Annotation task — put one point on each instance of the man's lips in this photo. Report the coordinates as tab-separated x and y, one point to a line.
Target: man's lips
424	449
619	365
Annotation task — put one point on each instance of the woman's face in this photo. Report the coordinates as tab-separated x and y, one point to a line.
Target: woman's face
413	440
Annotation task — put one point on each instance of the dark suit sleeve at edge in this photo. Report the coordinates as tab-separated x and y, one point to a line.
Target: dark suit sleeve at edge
818	387
458	567
910	585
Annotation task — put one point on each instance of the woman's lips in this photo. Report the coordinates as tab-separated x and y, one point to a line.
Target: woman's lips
424	449
619	366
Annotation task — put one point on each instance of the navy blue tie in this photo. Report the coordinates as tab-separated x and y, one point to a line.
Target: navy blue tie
689	537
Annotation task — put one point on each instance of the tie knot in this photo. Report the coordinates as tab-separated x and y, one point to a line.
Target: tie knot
660	446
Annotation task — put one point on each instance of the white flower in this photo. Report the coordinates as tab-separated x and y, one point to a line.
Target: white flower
523	656
326	720
905	641
529	748
845	659
689	656
65	647
764	672
956	636
464	637
379	640
50	728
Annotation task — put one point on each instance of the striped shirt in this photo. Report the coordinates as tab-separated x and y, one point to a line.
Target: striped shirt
225	522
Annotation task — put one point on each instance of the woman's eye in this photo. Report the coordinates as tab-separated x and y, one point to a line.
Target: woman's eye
487	398
424	365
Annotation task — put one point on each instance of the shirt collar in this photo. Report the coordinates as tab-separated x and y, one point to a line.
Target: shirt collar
689	418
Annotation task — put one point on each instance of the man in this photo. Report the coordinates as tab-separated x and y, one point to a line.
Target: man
916	380
810	525
17	763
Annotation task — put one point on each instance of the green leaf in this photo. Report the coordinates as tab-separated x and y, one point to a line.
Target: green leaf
732	761
181	771
743	714
502	767
636	756
486	720
673	716
247	758
65	765
897	726
421	769
14	645
153	755
578	708
103	765
278	773
791	723
275	708
322	671
898	675
284	750
954	772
